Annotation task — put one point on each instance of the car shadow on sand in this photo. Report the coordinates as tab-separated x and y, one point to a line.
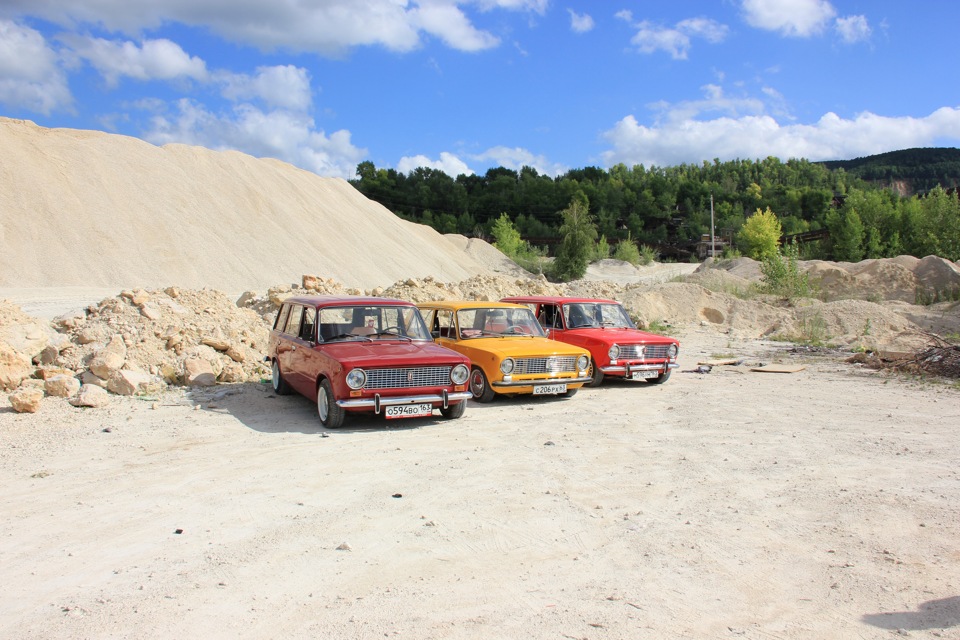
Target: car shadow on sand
259	408
932	614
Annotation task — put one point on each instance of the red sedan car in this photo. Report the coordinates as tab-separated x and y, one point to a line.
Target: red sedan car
604	328
359	354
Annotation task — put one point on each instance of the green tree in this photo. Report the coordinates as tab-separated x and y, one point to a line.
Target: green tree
602	249
759	236
506	238
579	233
846	234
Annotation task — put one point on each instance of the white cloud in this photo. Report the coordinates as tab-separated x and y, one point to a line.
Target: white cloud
676	41
710	30
580	23
799	18
516	158
715	100
30	77
285	87
448	23
759	136
280	134
853	29
449	163
327	27
151	60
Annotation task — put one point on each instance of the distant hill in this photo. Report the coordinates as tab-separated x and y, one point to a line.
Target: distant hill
908	171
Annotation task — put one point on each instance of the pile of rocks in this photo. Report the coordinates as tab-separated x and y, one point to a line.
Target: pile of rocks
133	344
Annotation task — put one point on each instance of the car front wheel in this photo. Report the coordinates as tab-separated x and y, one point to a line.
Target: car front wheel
480	387
660	379
280	386
331	415
454	411
595	374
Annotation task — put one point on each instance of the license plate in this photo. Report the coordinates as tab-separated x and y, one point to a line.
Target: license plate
408	411
643	375
548	389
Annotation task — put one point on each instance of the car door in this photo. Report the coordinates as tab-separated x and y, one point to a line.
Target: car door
290	349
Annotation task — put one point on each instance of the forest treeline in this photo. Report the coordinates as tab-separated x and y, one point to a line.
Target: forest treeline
669	208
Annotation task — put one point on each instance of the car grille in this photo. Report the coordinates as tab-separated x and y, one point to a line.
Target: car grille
408	377
650	351
553	364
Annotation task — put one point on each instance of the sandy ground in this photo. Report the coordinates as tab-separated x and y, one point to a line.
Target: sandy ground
734	504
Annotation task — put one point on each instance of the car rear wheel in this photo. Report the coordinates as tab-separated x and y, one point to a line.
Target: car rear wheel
479	386
595	374
331	415
660	379
454	411
280	386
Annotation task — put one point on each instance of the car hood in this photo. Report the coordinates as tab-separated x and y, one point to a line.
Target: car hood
517	347
610	335
382	354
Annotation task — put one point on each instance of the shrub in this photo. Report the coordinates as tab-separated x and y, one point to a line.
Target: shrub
627	251
782	276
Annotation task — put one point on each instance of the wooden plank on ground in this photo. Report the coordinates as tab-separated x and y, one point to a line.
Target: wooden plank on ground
720	363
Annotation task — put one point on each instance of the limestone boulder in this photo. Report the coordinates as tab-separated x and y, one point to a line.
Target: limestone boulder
91	396
90	378
232	372
14	367
110	359
62	386
128	382
26	400
198	372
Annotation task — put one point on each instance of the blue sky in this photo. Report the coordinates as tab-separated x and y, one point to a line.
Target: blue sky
466	85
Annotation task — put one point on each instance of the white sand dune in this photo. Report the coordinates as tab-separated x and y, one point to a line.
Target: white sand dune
91	209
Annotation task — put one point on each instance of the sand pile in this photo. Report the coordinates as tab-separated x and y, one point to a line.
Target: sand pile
90	209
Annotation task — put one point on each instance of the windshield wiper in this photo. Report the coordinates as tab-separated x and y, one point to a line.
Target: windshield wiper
393	335
352	336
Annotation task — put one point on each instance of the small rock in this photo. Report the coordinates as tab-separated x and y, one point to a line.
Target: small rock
26	400
344	547
91	395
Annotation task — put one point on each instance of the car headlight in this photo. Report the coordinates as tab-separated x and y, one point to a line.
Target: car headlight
614	352
583	362
459	374
356	378
506	367
672	351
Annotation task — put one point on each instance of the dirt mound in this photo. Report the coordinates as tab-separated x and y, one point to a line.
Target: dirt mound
90	209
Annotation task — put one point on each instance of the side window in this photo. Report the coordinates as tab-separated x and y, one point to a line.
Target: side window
306	329
445	323
293	321
549	317
281	321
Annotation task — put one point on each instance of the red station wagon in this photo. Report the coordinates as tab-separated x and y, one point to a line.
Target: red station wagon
604	328
364	354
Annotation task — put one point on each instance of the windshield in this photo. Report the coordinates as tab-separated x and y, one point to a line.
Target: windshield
596	314
371	323
497	321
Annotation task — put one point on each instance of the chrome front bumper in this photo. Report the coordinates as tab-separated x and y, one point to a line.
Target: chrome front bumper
530	383
629	368
378	401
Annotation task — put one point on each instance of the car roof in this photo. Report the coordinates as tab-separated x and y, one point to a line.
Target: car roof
339	301
469	304
556	299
